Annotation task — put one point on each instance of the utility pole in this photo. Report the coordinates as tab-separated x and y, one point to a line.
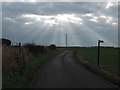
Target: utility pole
99	41
66	40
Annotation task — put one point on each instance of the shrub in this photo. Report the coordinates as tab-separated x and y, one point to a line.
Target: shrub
6	42
52	46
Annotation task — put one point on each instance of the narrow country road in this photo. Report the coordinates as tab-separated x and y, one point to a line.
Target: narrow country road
64	72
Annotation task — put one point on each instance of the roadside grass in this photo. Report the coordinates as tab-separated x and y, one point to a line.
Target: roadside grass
19	79
108	68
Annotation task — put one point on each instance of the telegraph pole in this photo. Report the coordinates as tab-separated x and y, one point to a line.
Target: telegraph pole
66	40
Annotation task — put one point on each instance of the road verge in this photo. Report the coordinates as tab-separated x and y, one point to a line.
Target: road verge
101	71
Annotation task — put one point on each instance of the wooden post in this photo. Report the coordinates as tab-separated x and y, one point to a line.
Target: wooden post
66	40
19	48
19	53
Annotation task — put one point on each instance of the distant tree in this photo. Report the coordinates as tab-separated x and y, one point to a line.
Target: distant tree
6	42
52	46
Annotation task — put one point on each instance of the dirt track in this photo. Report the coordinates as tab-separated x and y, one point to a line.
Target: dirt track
64	72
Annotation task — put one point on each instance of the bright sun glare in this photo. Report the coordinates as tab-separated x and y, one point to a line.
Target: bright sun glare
55	19
109	4
30	0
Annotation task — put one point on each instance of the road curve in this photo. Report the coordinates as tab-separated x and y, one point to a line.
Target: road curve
64	72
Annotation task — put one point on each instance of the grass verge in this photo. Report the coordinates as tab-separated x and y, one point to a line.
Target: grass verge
101	71
19	79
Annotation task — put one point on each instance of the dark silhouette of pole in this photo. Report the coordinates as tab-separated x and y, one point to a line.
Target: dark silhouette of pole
66	40
19	48
19	53
99	41
98	51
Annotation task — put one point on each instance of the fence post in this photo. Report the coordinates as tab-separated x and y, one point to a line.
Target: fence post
19	54
20	57
19	48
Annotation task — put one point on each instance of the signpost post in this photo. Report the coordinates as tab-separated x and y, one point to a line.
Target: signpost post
66	40
99	41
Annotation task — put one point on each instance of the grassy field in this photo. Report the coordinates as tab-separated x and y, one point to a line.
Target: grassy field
108	56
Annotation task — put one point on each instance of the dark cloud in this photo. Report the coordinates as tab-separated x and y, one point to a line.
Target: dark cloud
41	32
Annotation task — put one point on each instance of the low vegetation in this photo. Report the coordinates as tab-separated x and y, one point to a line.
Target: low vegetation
20	62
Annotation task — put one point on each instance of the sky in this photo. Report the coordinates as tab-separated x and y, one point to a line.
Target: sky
47	23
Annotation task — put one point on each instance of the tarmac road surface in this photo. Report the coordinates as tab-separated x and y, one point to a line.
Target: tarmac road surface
63	71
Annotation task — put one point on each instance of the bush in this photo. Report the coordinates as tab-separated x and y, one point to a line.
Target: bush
52	46
6	42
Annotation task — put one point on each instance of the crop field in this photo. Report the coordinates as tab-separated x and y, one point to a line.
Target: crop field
108	56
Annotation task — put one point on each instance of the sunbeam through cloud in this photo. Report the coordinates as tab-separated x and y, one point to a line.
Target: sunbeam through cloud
48	22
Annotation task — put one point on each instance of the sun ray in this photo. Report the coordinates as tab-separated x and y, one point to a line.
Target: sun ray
41	35
96	36
71	36
56	36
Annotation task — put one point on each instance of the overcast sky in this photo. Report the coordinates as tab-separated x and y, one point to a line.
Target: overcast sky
46	23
